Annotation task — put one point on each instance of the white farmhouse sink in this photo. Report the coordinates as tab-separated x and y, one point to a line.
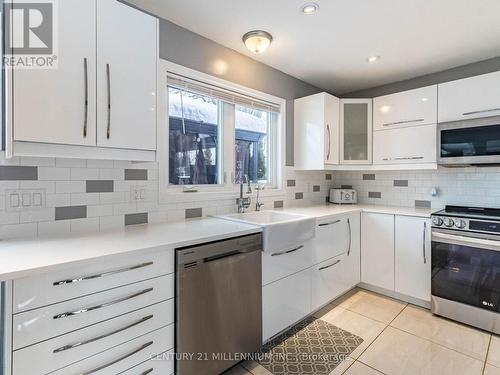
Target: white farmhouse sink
279	230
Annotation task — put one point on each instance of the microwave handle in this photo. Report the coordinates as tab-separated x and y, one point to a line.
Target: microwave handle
453	239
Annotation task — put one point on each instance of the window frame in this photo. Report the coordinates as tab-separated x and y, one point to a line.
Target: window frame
172	193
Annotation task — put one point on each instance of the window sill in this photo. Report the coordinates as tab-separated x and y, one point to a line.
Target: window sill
178	196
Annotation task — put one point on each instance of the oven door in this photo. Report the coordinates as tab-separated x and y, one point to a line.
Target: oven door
466	269
469	142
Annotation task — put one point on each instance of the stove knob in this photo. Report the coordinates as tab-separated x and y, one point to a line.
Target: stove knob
460	224
448	222
437	221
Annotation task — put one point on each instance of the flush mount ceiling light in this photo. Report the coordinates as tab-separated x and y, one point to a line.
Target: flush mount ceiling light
372	59
309	8
257	41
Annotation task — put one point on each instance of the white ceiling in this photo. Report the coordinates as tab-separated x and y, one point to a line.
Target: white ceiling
329	49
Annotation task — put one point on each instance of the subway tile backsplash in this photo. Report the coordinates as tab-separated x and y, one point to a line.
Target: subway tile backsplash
92	195
474	186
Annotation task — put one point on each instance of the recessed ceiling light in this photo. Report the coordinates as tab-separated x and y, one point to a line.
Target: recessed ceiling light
257	41
372	59
309	8
424	99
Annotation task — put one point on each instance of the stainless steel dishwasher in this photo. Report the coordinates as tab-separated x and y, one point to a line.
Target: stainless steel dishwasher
218	304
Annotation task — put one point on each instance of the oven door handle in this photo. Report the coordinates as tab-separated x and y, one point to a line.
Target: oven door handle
453	239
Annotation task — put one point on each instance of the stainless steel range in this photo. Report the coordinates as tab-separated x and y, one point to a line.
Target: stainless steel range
466	266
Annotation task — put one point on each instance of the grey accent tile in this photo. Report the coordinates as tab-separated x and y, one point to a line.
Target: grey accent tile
422	204
346	186
192	213
70	212
279	204
299	195
100	186
328	176
316	188
290	183
134	219
136	174
401	183
374	194
14	172
368	176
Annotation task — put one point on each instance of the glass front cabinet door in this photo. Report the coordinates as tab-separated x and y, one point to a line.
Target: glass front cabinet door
356	119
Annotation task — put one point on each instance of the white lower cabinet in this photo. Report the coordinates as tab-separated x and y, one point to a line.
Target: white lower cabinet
286	301
162	364
331	238
279	264
327	281
377	250
413	257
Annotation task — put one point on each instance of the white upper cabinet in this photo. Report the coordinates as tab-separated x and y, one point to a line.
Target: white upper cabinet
408	145
316	131
101	94
58	105
356	131
407	108
126	76
413	257
470	98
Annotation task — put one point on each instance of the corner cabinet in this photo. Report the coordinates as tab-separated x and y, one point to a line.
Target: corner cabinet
316	131
356	131
100	101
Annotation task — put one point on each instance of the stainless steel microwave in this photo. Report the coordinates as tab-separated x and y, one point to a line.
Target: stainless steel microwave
469	142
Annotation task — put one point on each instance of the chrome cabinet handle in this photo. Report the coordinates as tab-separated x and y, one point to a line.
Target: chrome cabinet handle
402	122
108	78
350	235
103	274
147	372
330	223
409	158
330	265
86	103
288	251
481	111
329	141
135	351
423	243
96	307
82	343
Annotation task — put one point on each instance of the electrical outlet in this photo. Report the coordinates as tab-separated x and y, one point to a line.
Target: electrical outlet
24	199
138	193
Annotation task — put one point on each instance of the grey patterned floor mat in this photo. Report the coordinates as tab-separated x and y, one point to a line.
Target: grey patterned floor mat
312	347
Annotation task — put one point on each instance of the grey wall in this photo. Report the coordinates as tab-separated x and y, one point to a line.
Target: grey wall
464	71
194	51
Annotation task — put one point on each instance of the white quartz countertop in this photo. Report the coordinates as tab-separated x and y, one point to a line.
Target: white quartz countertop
21	258
326	210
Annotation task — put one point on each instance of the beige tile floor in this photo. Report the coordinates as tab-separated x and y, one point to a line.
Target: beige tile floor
402	339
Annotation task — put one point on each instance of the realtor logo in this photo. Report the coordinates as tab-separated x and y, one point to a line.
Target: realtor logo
31	34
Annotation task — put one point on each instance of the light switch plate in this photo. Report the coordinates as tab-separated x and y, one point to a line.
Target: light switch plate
24	199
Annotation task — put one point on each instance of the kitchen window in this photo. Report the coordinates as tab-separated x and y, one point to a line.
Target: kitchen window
216	135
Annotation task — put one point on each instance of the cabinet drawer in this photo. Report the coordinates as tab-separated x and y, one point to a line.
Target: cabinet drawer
331	238
279	264
34	292
62	351
328	281
123	357
162	364
408	108
41	324
411	145
285	302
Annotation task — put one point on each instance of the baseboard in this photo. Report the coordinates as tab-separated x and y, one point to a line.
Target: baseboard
396	295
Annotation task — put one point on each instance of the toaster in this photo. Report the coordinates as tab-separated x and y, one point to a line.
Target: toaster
343	196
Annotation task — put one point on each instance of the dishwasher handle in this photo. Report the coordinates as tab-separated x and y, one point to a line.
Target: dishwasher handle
222	256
